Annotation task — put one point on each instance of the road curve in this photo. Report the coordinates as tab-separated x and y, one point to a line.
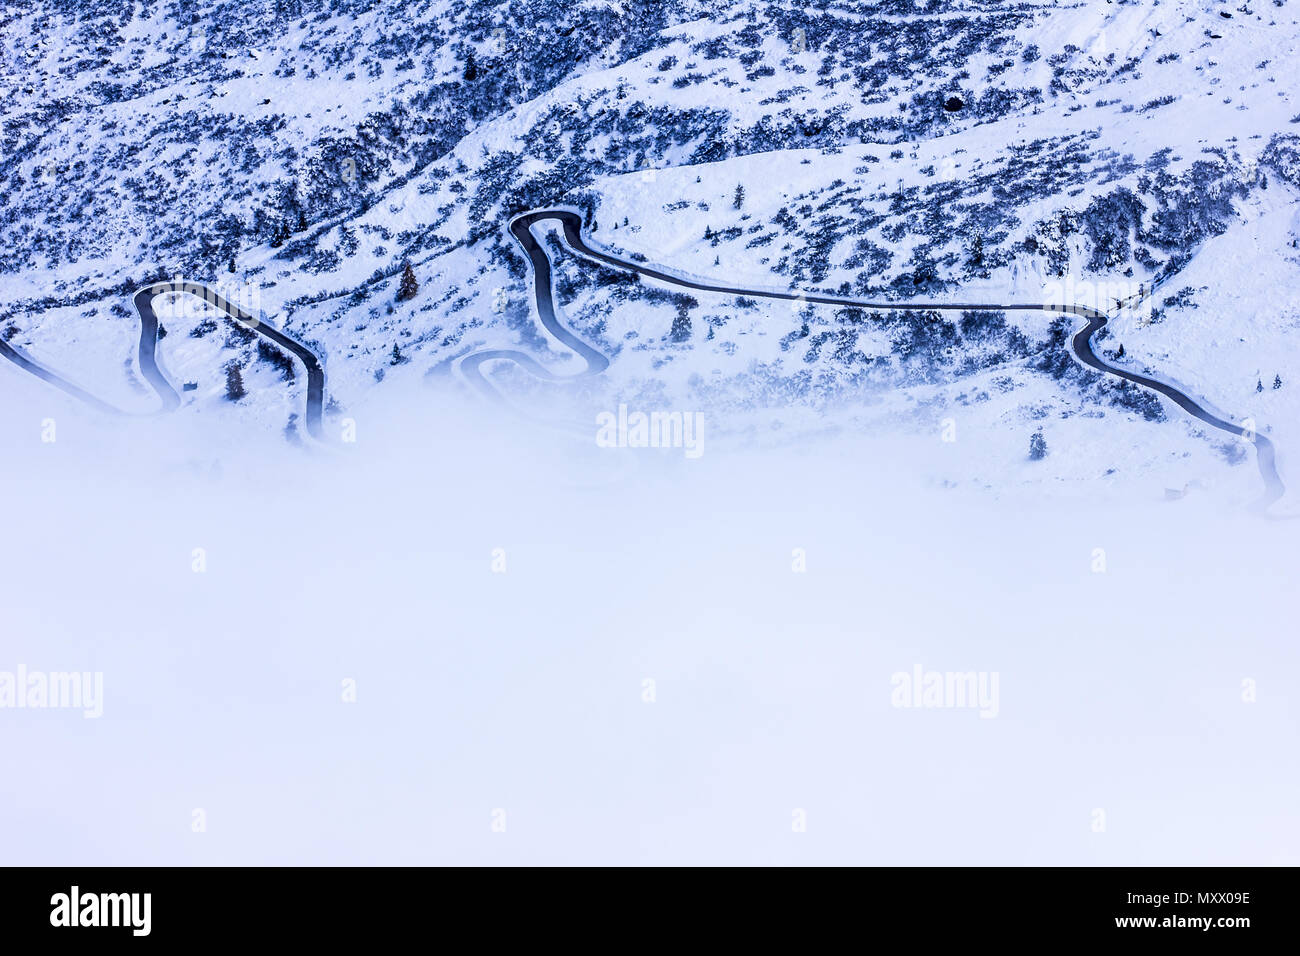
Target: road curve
571	226
148	353
149	339
544	298
596	362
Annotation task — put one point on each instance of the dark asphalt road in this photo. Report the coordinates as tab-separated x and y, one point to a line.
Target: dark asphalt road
149	340
58	381
571	225
149	359
544	300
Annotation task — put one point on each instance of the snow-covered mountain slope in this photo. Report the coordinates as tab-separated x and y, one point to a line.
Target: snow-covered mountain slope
302	151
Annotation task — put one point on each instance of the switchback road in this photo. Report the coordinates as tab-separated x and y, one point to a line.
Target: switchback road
570	223
148	353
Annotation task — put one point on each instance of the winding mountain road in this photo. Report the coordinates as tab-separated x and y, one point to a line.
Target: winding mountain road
148	353
149	340
544	299
570	223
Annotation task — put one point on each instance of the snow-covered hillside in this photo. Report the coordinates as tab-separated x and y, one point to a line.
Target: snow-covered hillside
556	431
301	152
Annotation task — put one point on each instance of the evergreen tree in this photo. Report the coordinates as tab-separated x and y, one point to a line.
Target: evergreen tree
409	286
1120	353
1037	447
234	383
302	221
471	68
681	330
232	264
1259	385
740	197
1277	381
398	358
